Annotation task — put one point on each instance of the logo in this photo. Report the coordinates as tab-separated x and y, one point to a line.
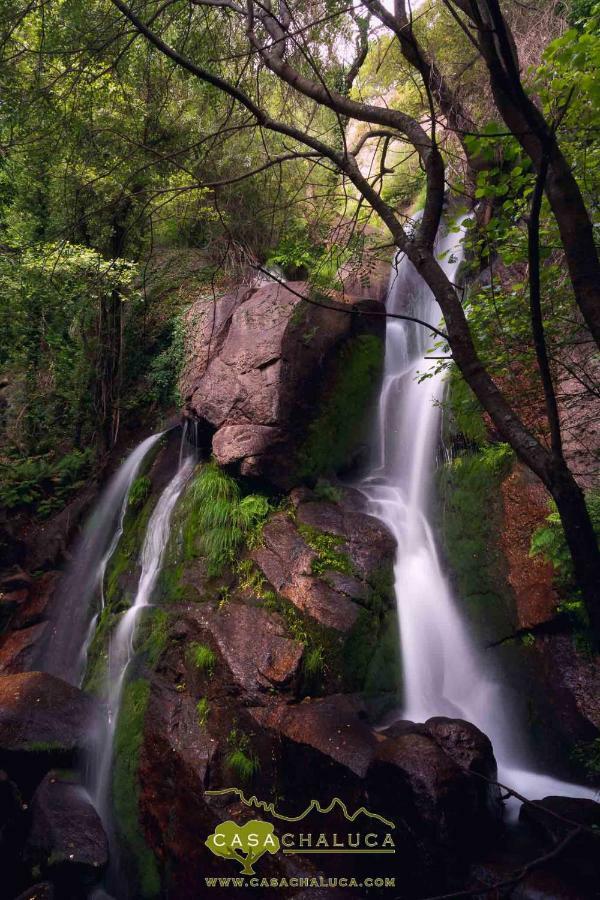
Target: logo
247	843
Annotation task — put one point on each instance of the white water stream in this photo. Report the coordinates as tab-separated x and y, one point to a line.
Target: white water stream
121	650
65	654
444	672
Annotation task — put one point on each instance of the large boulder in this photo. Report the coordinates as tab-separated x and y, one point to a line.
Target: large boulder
44	722
66	839
18	648
254	647
257	362
332	598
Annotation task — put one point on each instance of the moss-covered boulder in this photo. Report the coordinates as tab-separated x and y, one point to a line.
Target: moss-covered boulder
282	383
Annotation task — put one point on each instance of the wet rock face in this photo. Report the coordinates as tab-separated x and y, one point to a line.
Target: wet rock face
43	722
253	645
289	562
257	360
66	838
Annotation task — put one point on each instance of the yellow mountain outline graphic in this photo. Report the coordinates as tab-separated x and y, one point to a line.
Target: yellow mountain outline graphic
255	803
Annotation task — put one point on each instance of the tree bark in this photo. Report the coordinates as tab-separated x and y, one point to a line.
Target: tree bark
581	540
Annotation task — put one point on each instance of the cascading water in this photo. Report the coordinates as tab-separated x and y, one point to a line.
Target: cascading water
121	648
65	653
444	673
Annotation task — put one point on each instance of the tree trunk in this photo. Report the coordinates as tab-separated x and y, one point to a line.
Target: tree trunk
581	540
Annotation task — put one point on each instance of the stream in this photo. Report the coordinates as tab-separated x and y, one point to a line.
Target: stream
444	673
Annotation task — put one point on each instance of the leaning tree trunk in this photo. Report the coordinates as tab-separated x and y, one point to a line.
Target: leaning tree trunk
581	540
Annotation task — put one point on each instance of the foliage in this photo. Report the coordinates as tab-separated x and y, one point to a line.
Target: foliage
336	429
165	368
126	789
587	754
240	757
549	541
471	522
325	490
218	518
203	658
43	484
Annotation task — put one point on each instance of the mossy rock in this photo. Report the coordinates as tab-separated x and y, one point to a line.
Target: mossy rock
126	787
338	427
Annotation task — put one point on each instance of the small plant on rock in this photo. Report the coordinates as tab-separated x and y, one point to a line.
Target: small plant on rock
203	709
240	758
203	658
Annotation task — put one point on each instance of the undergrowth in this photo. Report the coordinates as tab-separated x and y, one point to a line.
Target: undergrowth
218	519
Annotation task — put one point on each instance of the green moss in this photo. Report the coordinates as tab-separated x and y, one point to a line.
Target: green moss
139	492
329	557
471	525
44	746
126	788
154	635
337	427
203	657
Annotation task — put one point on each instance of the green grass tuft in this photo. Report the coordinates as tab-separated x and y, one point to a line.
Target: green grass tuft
218	519
240	758
203	658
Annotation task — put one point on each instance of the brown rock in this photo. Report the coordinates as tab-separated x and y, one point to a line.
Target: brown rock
254	645
330	725
469	747
18	648
66	831
525	508
43	722
368	542
17	580
42	891
34	610
285	559
439	793
316	599
256	362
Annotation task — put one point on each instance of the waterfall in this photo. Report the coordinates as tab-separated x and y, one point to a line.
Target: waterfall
65	654
443	671
121	650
